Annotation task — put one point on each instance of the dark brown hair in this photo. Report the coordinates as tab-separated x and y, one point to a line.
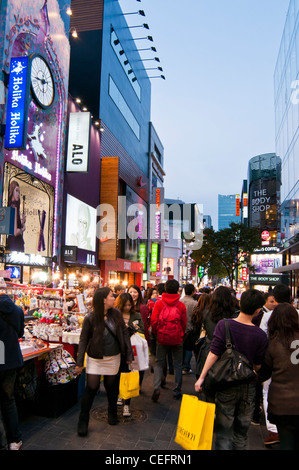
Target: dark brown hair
121	301
199	311
284	323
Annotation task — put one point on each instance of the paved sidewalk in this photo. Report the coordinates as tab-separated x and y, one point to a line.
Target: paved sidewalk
152	426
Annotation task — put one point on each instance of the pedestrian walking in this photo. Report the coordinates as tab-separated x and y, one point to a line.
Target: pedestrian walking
221	305
281	294
125	304
11	359
190	305
235	404
140	307
168	321
281	364
104	337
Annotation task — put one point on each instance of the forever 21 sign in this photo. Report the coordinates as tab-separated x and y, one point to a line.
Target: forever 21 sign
78	142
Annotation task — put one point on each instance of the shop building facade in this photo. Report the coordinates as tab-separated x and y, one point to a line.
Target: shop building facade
286	89
108	75
34	56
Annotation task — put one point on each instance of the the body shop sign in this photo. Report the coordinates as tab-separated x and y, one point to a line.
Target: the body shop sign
17	104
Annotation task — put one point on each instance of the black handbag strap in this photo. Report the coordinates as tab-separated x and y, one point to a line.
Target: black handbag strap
228	341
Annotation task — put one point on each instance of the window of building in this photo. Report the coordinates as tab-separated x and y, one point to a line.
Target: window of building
123	107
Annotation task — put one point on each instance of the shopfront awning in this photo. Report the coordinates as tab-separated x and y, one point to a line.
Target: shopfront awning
287	268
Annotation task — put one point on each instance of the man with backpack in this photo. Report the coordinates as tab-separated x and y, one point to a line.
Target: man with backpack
168	322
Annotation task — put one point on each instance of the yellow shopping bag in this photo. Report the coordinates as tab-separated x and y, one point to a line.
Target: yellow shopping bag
129	385
196	424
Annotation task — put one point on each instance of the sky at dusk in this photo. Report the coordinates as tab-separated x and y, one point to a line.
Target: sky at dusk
215	110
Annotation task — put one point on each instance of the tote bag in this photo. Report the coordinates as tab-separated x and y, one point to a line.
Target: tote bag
129	385
196	424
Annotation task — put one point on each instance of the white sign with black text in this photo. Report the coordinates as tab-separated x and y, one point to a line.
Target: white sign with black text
78	142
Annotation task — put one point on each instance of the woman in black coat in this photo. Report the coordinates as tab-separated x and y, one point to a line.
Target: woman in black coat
104	338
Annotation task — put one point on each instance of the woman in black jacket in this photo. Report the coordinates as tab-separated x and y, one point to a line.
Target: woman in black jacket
104	337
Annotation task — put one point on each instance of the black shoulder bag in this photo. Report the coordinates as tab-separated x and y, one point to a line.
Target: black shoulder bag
231	369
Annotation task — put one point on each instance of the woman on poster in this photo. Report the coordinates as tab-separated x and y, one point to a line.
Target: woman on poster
16	242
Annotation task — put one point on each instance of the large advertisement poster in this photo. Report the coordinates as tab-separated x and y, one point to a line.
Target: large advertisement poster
81	221
263	204
33	202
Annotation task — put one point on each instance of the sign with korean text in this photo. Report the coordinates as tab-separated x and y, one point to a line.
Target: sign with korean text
154	257
17	104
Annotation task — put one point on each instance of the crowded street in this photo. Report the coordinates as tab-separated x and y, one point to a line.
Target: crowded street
149	228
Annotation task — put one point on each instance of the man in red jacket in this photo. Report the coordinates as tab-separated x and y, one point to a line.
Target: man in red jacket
168	322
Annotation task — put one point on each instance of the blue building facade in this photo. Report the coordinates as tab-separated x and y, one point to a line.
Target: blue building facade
227	211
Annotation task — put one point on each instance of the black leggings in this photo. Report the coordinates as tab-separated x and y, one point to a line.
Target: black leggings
111	384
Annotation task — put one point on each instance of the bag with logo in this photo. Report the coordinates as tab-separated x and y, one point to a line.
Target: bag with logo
196	424
169	330
140	351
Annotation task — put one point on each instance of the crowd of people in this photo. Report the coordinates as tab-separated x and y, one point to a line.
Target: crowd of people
180	325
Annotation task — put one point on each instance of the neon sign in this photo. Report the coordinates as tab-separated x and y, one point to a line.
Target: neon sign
17	104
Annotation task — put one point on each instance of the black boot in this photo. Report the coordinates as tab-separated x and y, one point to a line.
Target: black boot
112	416
83	424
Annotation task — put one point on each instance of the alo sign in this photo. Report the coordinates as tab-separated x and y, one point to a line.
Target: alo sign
17	104
78	143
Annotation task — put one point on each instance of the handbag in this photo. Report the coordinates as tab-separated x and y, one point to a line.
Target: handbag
129	385
232	368
196	424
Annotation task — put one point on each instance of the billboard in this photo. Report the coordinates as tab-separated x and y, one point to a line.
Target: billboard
33	202
80	228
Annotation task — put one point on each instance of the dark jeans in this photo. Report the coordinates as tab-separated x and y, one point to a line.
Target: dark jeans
8	407
288	430
234	410
161	357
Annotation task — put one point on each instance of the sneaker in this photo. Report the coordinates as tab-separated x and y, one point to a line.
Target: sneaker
126	411
15	445
273	438
119	402
155	395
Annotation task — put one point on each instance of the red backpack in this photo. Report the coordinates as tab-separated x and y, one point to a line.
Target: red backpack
169	330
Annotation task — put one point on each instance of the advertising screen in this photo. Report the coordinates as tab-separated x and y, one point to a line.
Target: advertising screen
81	221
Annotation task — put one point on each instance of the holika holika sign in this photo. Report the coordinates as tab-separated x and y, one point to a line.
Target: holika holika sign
17	104
78	142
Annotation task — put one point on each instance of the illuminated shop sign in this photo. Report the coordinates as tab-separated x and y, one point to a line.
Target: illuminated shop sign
142	255
26	259
154	257
17	104
78	142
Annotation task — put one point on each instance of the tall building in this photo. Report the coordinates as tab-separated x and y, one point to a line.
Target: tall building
286	88
228	210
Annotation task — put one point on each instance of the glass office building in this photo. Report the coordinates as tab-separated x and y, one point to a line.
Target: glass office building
228	210
286	89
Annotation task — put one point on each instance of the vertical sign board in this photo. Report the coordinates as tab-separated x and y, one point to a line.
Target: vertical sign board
78	143
17	104
154	257
142	255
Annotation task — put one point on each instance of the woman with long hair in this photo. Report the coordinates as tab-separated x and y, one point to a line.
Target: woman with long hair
221	305
125	304
281	364
15	242
140	307
104	338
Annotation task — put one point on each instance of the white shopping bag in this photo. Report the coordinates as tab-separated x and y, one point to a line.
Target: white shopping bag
140	351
